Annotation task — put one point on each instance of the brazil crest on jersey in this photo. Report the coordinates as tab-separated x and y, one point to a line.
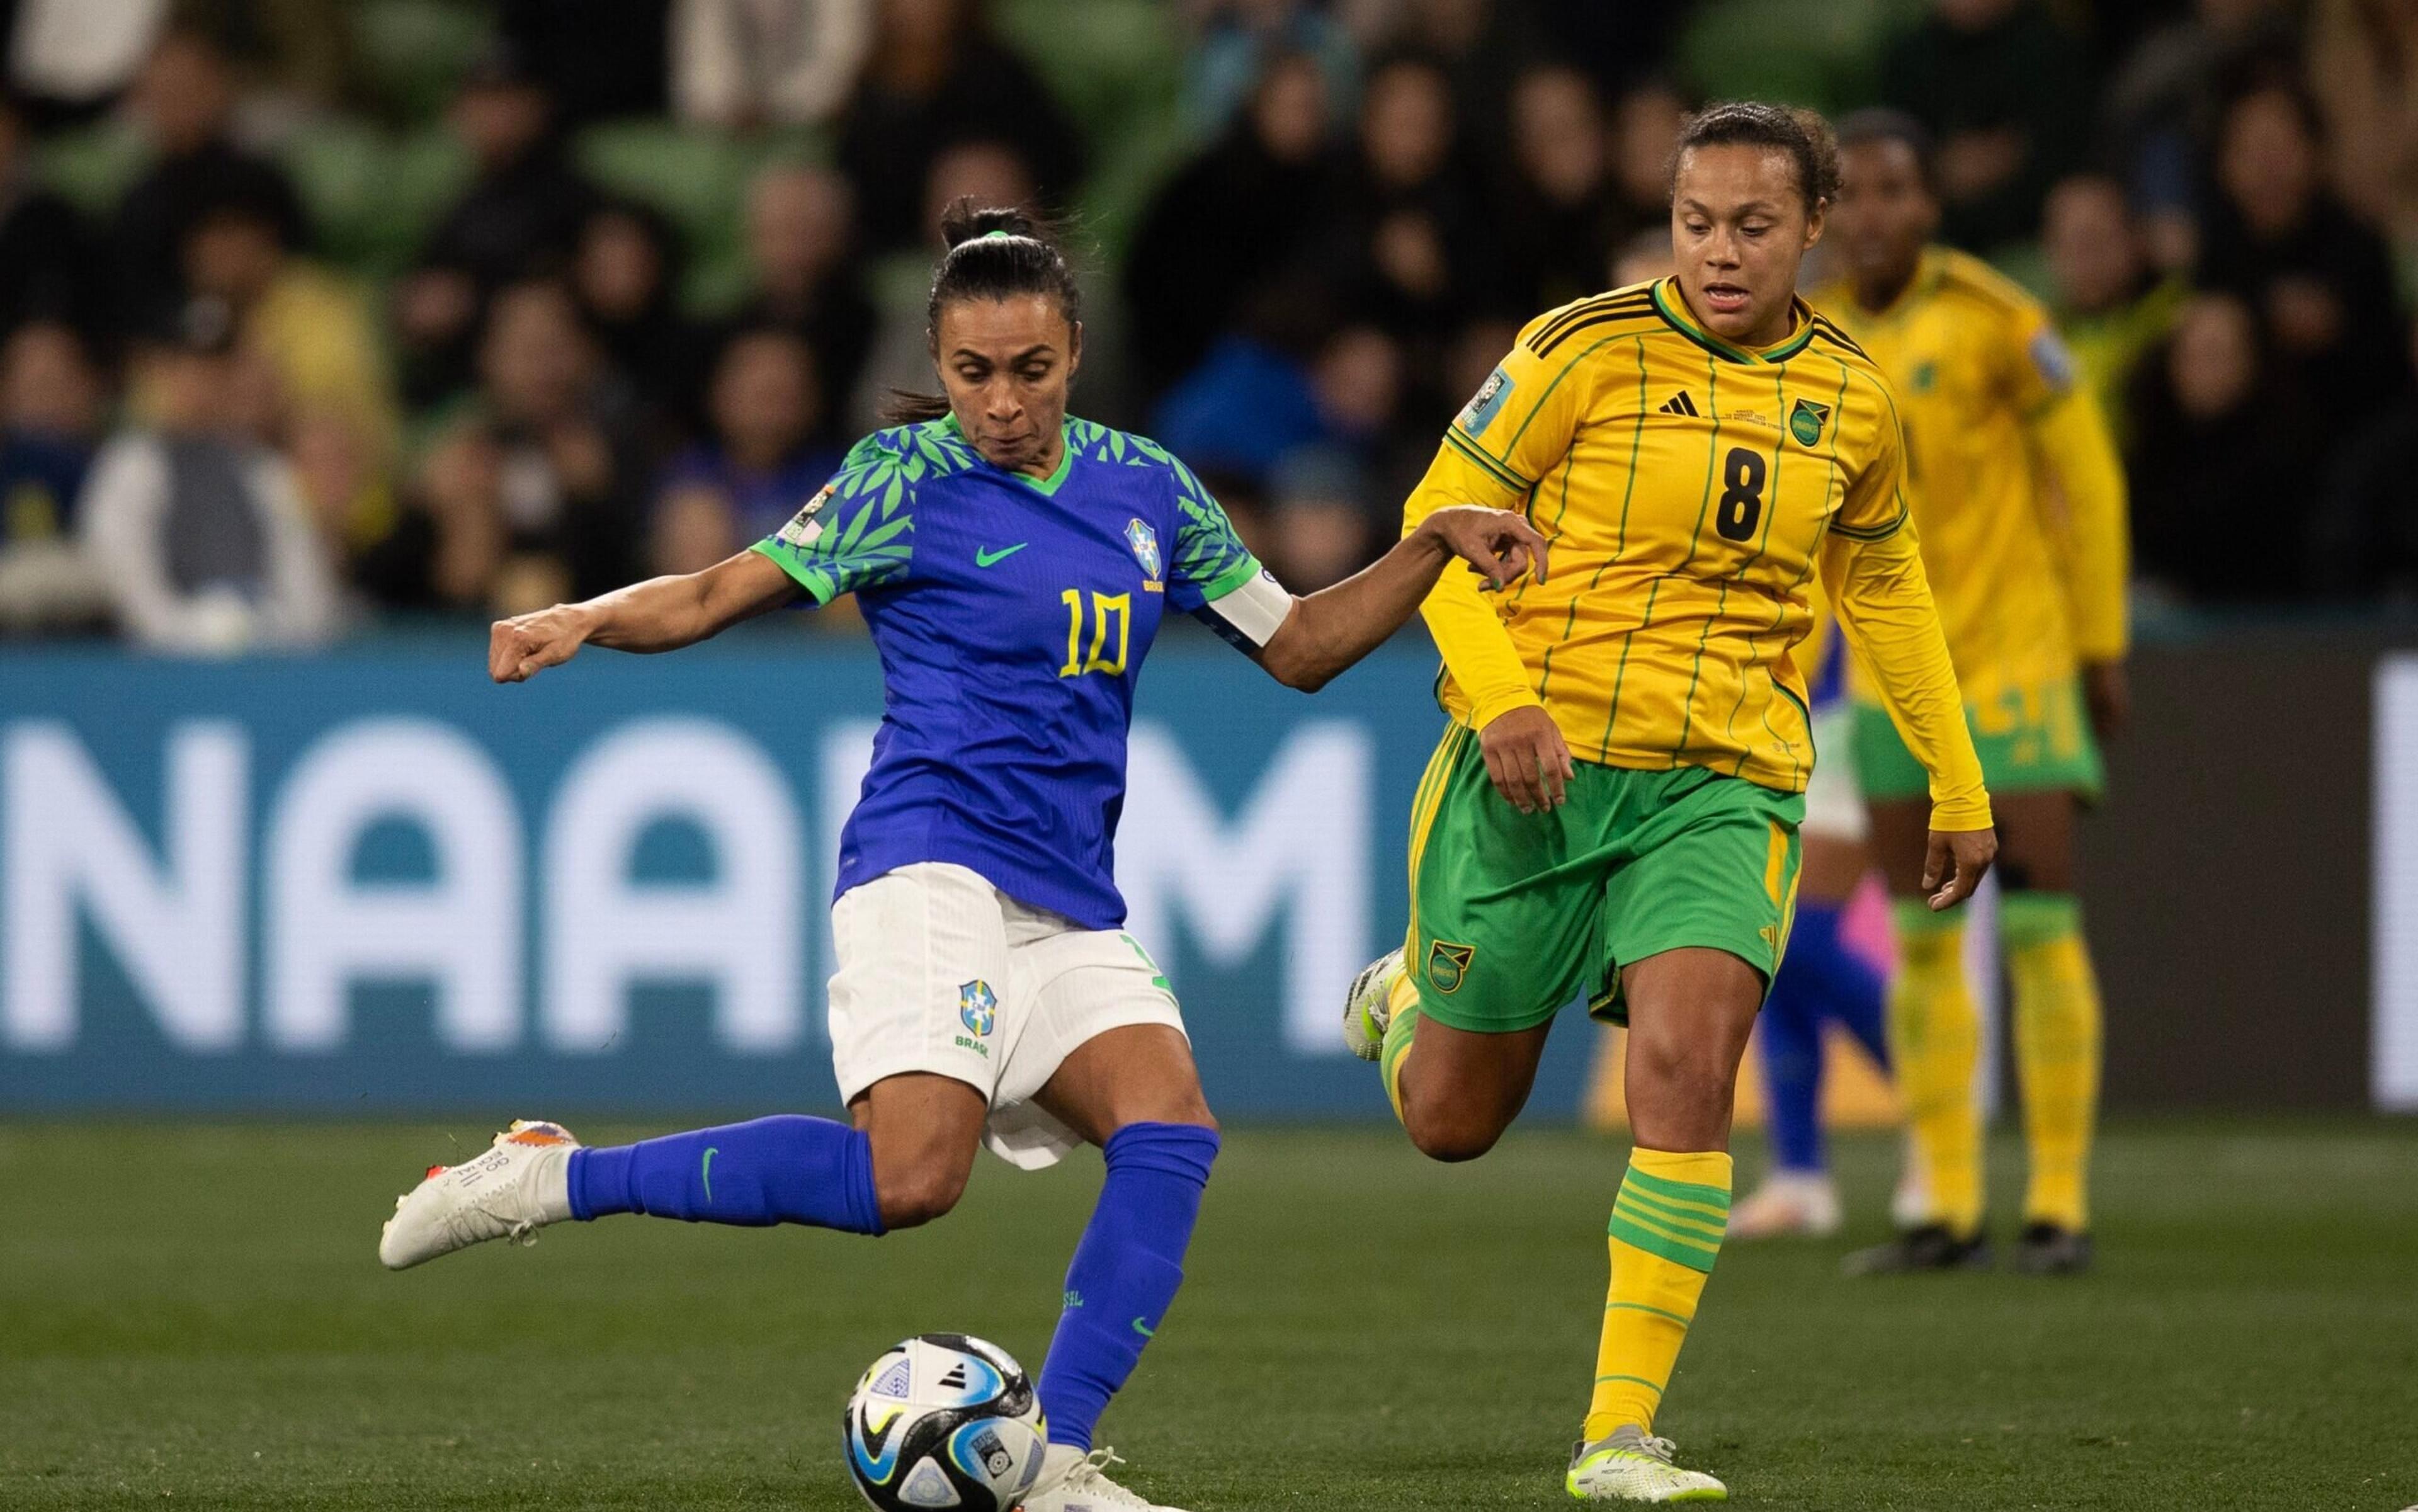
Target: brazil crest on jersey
1012	614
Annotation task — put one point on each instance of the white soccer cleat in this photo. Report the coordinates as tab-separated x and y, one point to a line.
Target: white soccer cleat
1073	1481
1368	1007
519	1185
1631	1465
1788	1203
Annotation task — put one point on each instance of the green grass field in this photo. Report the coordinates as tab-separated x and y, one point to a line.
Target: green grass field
192	1316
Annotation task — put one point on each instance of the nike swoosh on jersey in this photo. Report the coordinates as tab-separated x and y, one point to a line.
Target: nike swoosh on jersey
984	558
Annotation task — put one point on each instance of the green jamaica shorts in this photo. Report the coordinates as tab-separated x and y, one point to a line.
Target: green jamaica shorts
1513	915
2030	739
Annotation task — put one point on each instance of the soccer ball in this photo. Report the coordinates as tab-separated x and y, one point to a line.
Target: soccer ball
944	1420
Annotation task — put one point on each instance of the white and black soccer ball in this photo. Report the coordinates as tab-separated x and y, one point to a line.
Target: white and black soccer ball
944	1420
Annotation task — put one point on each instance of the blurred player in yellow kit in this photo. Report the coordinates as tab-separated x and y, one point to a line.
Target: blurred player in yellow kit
2019	498
1612	811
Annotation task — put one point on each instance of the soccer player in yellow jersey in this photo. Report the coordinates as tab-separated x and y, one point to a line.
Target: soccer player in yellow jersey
1613	811
2020	499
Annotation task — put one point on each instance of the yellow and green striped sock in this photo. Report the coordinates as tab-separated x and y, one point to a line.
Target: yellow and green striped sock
1666	1232
2056	1017
1934	1033
1402	1026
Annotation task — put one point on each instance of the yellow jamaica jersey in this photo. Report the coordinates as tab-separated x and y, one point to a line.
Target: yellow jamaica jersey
2014	483
1690	491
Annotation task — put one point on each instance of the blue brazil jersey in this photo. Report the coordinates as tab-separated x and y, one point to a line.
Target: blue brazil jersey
1012	614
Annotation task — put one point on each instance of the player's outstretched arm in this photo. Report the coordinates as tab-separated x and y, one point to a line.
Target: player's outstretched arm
662	614
1330	630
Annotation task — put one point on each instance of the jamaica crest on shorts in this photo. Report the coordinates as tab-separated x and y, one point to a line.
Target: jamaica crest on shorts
1447	964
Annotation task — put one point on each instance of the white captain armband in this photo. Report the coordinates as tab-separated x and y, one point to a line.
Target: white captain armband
1250	617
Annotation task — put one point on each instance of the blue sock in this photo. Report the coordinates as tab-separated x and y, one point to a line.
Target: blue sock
1792	1053
1859	999
1821	979
1125	1271
784	1170
1841	984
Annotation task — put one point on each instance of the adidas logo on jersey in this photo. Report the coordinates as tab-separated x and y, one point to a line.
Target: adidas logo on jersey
1680	403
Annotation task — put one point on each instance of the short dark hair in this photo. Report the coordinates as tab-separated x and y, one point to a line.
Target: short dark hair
1803	134
1879	124
994	254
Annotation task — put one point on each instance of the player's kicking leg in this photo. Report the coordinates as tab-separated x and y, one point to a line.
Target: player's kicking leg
913	1145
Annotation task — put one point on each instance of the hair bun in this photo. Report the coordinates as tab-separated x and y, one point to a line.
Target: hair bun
964	222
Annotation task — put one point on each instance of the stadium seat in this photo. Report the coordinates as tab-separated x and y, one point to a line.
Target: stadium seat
411	52
1122	87
91	165
371	197
697	179
1829	63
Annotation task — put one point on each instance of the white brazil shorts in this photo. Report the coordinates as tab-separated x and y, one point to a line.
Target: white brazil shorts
940	971
1834	802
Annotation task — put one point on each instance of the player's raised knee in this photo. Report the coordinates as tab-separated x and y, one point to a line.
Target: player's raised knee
920	1193
1452	1138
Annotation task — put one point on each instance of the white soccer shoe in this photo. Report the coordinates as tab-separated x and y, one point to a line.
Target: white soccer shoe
1368	1007
1073	1481
1788	1203
1630	1465
519	1185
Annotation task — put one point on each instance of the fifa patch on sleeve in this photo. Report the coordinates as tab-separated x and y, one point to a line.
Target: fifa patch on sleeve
1484	404
804	530
2052	359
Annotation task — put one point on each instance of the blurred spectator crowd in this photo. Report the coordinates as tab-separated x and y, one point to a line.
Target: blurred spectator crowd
314	312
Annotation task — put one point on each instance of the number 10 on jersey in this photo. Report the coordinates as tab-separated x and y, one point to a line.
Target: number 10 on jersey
1106	607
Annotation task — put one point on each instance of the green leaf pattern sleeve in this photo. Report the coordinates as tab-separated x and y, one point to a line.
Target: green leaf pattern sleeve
1210	559
858	532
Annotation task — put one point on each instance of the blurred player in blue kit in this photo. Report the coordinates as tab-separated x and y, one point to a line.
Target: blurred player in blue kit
1013	564
1822	980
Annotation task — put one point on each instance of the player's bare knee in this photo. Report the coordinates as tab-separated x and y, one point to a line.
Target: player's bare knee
918	1193
1194	1112
919	1184
1452	1137
1172	1105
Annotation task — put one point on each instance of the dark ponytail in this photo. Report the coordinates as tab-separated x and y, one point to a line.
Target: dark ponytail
993	254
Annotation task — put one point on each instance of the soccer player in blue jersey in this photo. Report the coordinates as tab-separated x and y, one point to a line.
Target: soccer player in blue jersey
1012	563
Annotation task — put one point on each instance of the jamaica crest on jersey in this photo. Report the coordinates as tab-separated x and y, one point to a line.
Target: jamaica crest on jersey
804	530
